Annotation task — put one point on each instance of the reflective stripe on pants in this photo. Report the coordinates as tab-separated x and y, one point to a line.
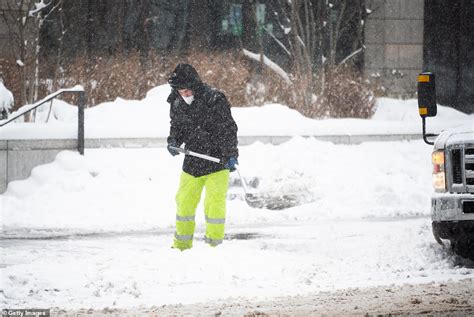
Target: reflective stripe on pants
179	218
187	200
213	242
188	237
215	220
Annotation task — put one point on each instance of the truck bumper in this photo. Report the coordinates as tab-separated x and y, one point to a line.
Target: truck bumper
453	216
452	207
458	230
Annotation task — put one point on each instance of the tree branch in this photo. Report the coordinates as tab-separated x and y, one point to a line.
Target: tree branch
348	57
270	64
278	41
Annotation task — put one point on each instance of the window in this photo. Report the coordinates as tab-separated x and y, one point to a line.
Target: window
232	23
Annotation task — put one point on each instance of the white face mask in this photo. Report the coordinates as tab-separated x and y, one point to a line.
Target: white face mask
188	100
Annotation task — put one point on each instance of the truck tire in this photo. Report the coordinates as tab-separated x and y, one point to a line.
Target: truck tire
464	247
436	235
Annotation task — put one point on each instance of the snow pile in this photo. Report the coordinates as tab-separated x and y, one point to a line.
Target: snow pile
6	98
389	109
149	117
134	189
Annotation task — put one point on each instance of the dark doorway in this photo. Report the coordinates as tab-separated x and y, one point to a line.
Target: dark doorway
449	51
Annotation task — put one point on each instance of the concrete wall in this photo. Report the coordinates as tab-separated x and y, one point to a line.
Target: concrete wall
19	157
394	44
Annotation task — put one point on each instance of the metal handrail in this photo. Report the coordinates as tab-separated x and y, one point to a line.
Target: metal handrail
81	103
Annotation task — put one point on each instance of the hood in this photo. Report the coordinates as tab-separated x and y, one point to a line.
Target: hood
460	135
184	76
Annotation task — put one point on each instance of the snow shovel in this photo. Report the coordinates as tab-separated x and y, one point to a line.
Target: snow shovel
251	198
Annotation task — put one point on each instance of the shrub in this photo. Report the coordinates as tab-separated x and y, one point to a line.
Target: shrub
345	95
131	75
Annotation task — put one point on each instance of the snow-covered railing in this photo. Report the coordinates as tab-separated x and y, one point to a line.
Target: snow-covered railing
81	102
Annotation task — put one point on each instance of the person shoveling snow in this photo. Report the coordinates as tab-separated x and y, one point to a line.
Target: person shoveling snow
202	120
250	198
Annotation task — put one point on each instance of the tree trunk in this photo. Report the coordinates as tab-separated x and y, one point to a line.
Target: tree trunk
249	20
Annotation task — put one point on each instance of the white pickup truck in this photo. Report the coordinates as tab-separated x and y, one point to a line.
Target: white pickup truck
452	203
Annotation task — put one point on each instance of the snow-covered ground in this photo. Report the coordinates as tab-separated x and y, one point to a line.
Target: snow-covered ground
96	231
105	223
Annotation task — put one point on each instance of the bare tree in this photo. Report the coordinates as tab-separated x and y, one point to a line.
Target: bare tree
59	54
24	20
318	37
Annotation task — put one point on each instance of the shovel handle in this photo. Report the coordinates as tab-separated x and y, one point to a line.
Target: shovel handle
242	180
213	159
203	156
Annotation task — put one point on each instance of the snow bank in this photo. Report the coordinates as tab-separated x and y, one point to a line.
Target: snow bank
134	189
389	109
6	98
149	117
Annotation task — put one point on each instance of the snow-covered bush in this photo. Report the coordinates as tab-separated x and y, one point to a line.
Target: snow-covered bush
6	101
243	81
131	76
345	95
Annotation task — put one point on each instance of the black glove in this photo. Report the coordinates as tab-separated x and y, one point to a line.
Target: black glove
172	151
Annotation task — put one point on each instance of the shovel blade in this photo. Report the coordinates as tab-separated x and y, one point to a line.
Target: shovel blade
254	201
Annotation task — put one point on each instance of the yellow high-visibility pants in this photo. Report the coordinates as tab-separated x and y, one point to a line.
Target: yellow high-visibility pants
187	200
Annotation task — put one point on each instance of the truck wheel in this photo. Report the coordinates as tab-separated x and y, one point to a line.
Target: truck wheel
436	236
464	247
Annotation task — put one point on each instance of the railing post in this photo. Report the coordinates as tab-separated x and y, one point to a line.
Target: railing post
80	126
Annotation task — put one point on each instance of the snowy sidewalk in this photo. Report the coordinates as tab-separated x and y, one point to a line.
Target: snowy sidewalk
254	263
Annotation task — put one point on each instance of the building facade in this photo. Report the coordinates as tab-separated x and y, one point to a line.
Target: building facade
394	45
406	37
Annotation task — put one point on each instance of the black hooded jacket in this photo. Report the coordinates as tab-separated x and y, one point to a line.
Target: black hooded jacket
205	126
